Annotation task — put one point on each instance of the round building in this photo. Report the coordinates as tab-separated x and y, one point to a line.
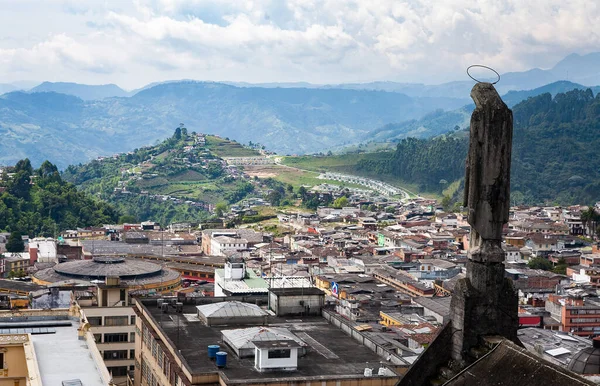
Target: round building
131	274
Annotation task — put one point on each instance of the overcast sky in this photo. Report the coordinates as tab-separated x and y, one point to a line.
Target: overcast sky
320	41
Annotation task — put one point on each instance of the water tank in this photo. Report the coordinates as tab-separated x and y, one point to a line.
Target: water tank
221	359
368	372
382	372
213	349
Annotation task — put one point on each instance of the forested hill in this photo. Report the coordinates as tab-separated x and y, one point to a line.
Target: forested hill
177	180
556	145
40	203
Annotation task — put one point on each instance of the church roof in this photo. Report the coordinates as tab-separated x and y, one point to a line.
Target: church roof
509	364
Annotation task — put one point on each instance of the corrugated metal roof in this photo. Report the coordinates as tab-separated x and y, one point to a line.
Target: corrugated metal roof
230	309
242	338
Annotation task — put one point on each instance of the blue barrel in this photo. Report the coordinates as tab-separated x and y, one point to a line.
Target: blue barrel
213	349
221	359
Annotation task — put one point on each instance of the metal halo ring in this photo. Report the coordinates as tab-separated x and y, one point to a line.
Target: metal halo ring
482	66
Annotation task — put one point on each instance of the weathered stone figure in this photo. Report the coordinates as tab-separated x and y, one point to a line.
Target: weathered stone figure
485	303
487	178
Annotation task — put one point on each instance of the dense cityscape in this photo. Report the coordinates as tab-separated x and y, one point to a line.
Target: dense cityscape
295	193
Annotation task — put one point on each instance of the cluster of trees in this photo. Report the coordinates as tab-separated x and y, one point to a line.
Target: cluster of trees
138	208
591	220
423	161
39	202
554	160
546	265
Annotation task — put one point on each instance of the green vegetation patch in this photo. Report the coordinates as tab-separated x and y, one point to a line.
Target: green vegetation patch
225	148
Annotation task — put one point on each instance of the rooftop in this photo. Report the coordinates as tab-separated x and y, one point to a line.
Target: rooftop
439	305
74	362
329	352
131	271
544	342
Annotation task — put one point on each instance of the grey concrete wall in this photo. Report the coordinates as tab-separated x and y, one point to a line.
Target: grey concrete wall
290	305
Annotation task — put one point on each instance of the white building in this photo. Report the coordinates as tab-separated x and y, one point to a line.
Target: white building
224	245
44	249
276	355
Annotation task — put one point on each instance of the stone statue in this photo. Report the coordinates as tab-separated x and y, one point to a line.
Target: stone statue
485	302
487	178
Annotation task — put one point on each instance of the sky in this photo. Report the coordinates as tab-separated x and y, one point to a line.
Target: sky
133	43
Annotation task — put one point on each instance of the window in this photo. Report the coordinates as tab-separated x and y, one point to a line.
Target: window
115	338
131	354
281	353
98	338
116	320
118	371
132	319
132	336
95	320
154	349
2	360
115	354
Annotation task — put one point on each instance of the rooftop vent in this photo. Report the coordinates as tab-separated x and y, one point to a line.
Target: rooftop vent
72	382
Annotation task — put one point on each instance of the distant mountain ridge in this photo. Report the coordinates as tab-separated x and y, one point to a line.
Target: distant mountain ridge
440	122
83	91
72	123
67	129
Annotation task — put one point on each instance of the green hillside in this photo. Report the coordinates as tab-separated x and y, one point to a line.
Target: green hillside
556	142
38	202
176	180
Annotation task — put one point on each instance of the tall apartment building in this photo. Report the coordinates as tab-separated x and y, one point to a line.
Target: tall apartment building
112	322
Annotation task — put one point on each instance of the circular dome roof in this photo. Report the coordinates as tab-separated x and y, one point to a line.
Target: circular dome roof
587	361
102	267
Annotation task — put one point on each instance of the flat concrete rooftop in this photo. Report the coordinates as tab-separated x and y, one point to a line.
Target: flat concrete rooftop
62	356
330	352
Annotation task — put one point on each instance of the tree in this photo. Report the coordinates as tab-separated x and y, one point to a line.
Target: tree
15	243
127	219
302	192
590	219
220	209
177	134
540	263
340	202
561	266
446	202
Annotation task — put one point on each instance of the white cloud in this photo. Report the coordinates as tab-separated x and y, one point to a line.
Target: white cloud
298	40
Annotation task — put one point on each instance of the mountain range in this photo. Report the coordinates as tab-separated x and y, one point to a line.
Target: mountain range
70	123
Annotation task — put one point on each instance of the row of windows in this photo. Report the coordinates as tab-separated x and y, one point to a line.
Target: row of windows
115	338
584	312
584	320
197	274
117	371
118	354
123	320
159	356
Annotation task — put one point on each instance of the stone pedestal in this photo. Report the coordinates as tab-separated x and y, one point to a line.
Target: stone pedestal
484	303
